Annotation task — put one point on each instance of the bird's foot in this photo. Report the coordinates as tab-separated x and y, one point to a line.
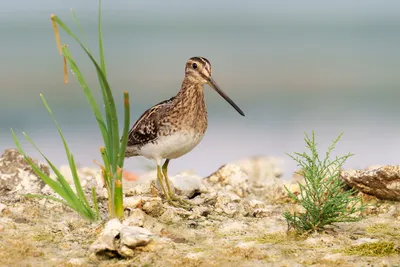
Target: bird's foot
178	202
182	201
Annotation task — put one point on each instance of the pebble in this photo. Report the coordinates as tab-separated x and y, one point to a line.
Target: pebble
2	207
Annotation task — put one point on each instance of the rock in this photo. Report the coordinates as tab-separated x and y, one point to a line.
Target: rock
77	262
146	185
143	188
132	237
384	263
230	178
17	176
198	212
256	204
272	191
231	205
105	243
136	218
117	239
188	185
2	207
154	207
133	202
333	257
229	227
206	199
246	250
384	182
170	216
260	169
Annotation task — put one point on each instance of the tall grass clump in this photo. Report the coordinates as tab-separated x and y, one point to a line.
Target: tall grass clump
112	152
323	195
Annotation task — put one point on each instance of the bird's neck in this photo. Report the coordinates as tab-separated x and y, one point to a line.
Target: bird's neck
191	92
190	103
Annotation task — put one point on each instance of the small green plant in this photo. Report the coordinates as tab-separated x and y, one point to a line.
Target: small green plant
323	195
113	152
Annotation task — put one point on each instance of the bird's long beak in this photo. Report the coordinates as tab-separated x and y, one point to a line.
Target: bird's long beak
214	85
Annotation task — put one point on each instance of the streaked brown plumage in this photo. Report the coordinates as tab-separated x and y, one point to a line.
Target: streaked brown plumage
175	126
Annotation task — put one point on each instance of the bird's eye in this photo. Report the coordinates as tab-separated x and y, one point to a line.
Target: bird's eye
194	65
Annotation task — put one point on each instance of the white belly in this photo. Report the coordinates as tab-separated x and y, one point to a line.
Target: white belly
172	146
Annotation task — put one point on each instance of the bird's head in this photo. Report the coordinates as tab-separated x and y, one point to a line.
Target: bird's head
198	70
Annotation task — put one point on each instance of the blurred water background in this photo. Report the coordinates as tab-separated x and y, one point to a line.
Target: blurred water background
292	66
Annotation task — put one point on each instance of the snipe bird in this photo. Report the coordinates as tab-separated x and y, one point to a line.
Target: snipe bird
175	126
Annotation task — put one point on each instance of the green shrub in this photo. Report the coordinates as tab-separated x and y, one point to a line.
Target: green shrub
323	195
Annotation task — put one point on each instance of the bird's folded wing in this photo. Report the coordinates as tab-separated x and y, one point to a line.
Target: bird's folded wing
146	127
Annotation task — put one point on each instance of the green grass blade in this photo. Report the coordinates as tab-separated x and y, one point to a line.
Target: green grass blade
66	190
62	188
104	156
107	96
124	139
88	94
109	114
95	204
53	184
112	119
70	157
107	108
101	49
118	195
78	186
79	25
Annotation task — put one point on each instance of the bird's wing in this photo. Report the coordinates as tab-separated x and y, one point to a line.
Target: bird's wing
146	127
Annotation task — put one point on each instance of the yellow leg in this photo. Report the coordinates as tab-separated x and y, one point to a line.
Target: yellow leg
171	194
160	181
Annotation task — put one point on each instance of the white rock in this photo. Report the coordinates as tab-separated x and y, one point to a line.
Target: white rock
188	184
77	261
134	236
134	202
170	216
231	204
195	255
106	240
199	212
232	227
17	176
230	177
129	238
384	263
261	169
2	207
246	245
136	218
333	257
143	188
257	204
154	207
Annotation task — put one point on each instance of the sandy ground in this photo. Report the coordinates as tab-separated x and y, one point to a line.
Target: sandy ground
235	220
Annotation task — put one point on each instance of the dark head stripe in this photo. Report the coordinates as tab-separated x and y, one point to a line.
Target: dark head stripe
203	61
